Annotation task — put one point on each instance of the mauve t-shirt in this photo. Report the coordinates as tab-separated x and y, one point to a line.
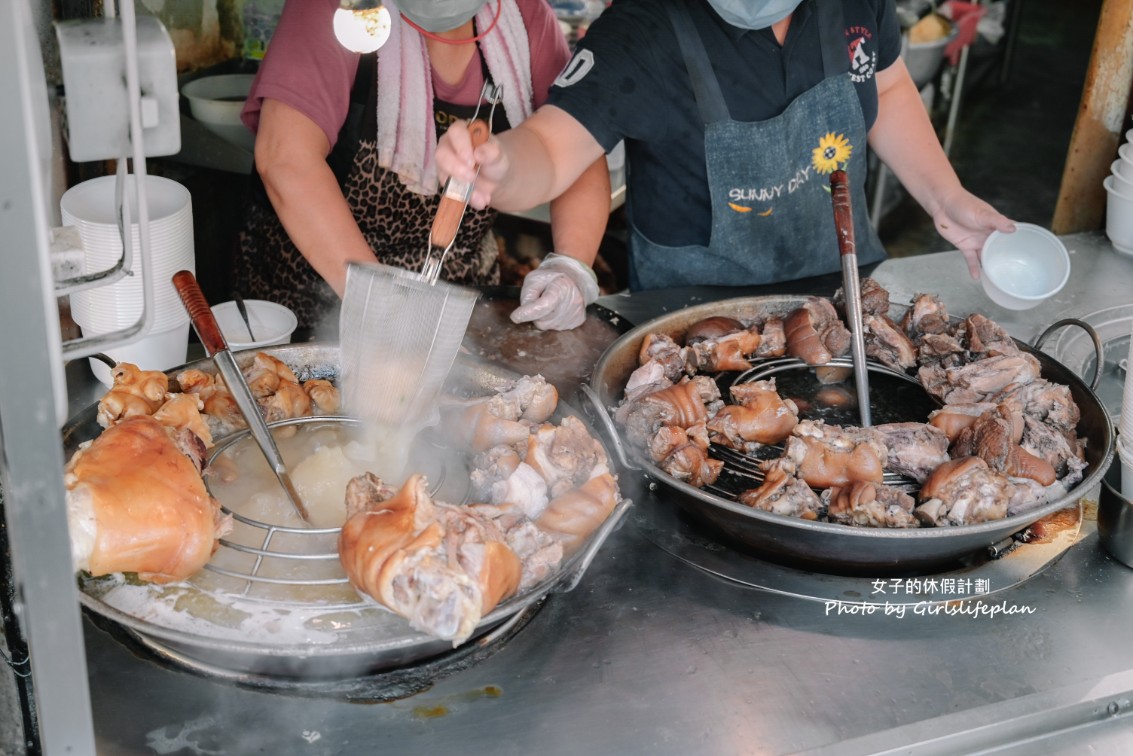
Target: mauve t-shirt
306	68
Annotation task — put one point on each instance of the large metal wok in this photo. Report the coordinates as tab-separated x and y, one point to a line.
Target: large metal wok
218	623
831	547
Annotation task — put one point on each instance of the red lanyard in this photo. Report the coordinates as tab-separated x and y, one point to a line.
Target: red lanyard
445	40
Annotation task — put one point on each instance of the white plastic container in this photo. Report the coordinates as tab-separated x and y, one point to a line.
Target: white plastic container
158	350
1024	268
923	59
1118	216
216	101
271	324
1122	171
1125	152
91	208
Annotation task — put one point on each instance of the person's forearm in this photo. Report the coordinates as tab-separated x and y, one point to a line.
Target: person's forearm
580	214
530	180
546	154
904	139
309	202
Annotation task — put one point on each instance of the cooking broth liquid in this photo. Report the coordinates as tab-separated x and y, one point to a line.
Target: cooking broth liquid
301	563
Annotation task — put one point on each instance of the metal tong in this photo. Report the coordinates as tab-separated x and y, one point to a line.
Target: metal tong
244	315
851	287
216	347
454	199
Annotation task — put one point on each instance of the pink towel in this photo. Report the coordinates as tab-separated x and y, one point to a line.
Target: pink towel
403	67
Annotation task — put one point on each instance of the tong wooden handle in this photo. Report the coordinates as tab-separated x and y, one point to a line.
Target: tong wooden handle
204	322
478	132
455	198
843	213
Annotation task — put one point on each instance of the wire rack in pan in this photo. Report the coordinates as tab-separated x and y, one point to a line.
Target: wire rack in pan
285	563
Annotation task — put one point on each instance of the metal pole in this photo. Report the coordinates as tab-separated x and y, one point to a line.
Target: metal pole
32	400
851	287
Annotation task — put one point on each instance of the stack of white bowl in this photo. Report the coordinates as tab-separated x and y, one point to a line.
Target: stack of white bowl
1119	198
91	208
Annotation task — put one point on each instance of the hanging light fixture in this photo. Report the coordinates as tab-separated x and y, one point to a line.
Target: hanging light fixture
361	26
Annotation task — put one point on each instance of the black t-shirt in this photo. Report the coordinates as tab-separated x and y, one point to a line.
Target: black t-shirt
627	80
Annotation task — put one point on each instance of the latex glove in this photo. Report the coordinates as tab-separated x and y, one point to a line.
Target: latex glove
555	294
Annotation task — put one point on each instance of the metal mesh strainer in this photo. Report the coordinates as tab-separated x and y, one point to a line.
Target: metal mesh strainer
399	332
399	335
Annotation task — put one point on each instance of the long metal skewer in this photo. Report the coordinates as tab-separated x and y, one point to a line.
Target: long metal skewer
851	287
204	323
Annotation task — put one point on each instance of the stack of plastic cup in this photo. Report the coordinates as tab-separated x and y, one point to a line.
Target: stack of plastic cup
1125	429
91	208
1119	198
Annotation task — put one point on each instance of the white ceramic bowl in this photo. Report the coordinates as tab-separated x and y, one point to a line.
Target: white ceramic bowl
1118	216
923	59
1024	268
271	324
216	101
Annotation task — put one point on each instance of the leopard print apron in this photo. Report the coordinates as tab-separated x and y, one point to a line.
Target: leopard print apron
395	221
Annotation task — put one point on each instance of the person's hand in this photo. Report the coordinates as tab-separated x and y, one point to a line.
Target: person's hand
555	294
966	221
456	158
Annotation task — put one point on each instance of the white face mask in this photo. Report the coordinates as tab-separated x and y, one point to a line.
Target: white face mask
754	14
439	15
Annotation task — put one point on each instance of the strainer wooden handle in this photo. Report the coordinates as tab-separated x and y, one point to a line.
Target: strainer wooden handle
455	198
208	330
204	322
843	214
851	287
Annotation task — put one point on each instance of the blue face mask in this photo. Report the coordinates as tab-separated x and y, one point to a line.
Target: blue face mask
439	15
754	14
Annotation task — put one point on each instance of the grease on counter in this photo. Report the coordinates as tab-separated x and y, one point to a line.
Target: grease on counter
430	712
436	711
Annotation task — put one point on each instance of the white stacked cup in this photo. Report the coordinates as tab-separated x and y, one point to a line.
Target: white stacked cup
91	208
1119	198
1125	429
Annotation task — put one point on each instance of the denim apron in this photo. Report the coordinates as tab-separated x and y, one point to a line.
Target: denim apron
772	216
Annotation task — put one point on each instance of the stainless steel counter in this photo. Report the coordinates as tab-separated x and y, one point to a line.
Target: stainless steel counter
650	655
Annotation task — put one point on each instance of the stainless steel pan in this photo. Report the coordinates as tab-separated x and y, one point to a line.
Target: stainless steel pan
212	627
830	547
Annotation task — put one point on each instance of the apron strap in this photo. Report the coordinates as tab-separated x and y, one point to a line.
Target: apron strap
709	98
831	35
